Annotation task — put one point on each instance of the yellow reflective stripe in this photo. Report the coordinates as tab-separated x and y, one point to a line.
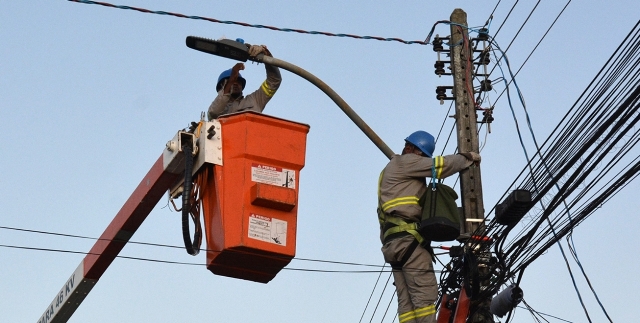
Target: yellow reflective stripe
425	311
405	200
439	161
268	91
380	182
408	316
401	226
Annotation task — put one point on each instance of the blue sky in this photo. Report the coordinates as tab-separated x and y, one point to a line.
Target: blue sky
90	95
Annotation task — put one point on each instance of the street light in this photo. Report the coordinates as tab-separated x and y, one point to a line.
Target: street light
239	51
225	47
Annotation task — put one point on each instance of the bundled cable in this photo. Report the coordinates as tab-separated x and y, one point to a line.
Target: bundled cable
587	159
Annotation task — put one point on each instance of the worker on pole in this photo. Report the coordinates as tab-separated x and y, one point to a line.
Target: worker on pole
231	84
401	185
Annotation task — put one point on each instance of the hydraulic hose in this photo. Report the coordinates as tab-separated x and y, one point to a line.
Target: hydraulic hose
193	248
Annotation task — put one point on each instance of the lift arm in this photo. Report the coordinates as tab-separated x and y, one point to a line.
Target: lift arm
163	174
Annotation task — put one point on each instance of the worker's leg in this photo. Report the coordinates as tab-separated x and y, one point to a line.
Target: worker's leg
393	252
405	307
422	285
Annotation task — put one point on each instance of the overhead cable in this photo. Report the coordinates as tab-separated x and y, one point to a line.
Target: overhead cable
228	22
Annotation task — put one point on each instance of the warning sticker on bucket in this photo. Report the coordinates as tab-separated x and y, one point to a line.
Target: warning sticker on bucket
268	229
273	175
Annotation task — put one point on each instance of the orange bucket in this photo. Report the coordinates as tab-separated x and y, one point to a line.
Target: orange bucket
250	202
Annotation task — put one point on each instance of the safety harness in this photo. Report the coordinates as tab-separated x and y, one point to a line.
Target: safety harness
395	227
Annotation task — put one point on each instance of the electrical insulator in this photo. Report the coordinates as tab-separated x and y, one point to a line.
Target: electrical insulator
485	85
506	300
437	44
441	93
485	58
483	34
439	65
487	116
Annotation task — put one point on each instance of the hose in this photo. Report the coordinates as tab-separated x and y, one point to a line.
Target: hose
192	247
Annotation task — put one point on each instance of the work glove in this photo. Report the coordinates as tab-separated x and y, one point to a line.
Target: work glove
471	156
256	50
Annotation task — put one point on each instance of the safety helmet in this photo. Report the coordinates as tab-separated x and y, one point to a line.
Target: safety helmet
226	75
424	141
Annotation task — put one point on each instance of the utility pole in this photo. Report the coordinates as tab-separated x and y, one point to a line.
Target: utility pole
466	120
462	69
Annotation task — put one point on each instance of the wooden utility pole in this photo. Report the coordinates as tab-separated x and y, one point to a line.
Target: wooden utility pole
470	181
466	118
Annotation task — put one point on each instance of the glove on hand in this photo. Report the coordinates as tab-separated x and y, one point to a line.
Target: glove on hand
474	157
256	50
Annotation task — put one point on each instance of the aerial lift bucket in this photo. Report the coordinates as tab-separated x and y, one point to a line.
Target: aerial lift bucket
250	204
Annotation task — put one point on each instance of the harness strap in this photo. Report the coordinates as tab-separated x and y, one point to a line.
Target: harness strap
394	225
412	247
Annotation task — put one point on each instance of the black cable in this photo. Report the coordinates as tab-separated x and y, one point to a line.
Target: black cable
193	248
534	48
379	299
175	247
372	291
506	18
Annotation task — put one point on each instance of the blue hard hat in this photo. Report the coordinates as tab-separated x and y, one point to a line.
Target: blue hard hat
424	141
225	75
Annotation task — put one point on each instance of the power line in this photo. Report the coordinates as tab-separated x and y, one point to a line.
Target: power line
188	263
228	22
534	49
170	246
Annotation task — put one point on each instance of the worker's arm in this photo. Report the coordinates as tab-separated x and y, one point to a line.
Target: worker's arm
257	100
419	166
217	107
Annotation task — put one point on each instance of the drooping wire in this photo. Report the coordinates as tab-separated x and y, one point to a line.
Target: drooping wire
174	246
227	22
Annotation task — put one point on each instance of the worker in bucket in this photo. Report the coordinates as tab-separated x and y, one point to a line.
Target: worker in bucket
231	84
401	184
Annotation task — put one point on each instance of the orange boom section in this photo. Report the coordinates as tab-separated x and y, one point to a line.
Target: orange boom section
250	204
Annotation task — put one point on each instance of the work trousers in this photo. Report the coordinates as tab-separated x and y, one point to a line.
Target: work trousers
416	285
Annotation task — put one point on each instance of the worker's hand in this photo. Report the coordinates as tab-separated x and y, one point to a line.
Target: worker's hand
471	156
256	50
228	85
236	69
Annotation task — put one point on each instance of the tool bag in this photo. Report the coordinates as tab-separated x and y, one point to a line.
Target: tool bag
440	218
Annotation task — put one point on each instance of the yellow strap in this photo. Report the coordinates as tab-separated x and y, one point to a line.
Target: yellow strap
267	90
439	165
425	311
402	226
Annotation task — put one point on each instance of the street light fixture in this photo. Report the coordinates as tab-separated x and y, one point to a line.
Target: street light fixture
225	47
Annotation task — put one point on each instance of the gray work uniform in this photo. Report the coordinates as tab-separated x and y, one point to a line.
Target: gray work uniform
402	183
255	101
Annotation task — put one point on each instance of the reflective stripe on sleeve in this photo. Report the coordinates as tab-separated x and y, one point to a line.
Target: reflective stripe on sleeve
267	90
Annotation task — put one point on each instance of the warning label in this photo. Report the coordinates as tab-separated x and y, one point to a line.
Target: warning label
273	175
268	229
